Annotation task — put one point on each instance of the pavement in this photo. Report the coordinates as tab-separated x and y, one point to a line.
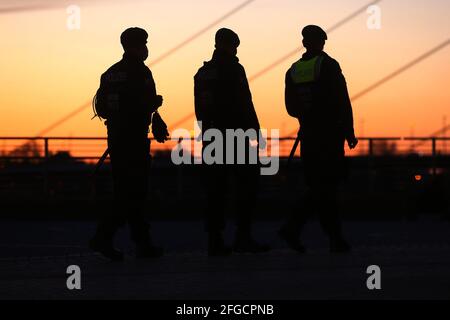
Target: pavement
414	258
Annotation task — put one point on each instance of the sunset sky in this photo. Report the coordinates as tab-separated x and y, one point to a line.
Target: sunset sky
47	70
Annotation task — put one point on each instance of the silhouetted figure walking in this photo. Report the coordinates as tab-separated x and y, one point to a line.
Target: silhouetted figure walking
223	101
316	94
127	99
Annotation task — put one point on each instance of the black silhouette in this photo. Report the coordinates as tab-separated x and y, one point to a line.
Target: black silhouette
316	94
223	101
127	99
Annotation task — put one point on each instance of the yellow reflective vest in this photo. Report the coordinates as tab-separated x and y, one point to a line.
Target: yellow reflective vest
306	71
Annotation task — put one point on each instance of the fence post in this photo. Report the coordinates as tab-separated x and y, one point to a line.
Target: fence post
433	156
180	172
371	166
46	174
370	147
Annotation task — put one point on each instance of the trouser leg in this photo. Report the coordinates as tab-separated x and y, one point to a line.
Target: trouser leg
130	165
329	212
139	227
106	229
137	192
302	211
246	183
215	181
112	220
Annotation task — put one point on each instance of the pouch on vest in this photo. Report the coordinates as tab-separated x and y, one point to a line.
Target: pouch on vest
206	85
304	74
106	101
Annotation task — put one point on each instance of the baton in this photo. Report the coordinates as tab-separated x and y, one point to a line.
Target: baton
294	149
100	161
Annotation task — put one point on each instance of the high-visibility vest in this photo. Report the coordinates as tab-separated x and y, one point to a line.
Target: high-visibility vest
306	71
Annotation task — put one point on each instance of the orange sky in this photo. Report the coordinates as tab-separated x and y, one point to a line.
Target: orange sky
48	71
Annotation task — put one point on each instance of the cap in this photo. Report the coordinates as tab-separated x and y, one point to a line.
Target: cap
226	36
133	37
312	32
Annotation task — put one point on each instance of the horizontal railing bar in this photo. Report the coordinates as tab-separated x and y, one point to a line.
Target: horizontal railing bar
43	158
53	138
192	138
427	138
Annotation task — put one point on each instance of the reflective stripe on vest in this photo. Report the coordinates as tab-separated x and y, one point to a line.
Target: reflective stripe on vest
306	71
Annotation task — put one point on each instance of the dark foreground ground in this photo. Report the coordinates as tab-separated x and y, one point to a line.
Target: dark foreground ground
414	257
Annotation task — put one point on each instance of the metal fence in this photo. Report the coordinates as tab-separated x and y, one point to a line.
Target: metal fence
91	148
56	173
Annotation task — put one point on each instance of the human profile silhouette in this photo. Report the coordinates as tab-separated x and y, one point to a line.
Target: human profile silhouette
223	101
127	99
316	94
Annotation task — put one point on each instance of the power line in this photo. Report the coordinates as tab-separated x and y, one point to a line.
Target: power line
26	8
295	51
200	32
156	61
443	130
402	69
40	7
64	119
182	120
35	7
440	131
397	72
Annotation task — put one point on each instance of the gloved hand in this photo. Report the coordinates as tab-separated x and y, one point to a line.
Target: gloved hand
159	128
159	101
352	141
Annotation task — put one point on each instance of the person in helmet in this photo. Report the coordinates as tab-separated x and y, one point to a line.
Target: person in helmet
316	94
128	101
223	101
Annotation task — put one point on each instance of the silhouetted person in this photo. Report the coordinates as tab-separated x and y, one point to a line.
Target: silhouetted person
223	101
127	99
316	94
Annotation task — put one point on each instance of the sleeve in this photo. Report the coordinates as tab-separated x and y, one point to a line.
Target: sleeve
247	100
198	99
343	99
149	94
289	96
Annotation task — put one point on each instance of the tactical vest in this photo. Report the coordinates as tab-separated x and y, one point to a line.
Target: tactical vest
106	101
206	83
304	74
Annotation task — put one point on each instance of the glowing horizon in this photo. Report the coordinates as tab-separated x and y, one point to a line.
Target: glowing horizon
49	70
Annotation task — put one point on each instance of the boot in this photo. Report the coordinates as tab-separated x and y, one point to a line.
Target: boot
244	243
292	239
144	245
105	248
216	245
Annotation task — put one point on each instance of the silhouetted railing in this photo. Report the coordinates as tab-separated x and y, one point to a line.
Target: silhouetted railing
51	169
91	148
